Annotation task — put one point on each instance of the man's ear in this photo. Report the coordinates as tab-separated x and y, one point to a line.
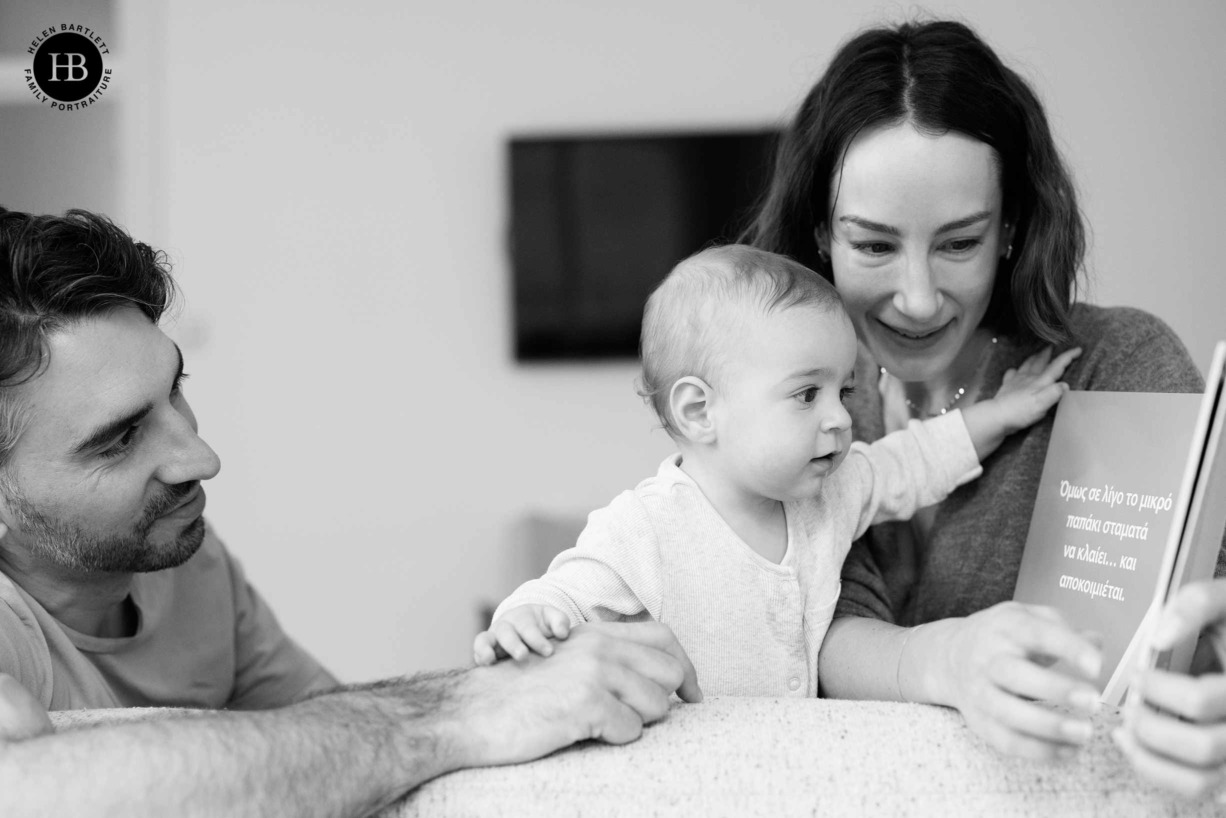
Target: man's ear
689	403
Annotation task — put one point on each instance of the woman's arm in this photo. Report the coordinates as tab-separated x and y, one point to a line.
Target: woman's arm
995	667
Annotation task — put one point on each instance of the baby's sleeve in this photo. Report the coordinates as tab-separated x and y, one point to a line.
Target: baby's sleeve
611	574
911	468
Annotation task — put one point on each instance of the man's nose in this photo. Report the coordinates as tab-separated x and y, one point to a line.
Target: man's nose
189	458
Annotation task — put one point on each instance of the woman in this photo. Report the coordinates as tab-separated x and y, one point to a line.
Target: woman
921	177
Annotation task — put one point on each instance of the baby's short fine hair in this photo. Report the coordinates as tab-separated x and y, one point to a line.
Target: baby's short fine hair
703	301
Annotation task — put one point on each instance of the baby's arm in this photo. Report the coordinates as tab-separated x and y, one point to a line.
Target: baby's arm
522	629
612	573
1025	396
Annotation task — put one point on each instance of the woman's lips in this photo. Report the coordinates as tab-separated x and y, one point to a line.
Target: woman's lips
912	339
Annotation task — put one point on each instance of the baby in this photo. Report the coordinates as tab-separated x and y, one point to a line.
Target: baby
737	542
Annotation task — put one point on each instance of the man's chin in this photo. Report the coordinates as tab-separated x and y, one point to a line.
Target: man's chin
138	553
171	555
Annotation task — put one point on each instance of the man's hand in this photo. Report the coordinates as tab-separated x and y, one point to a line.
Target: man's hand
1025	396
1176	736
605	682
21	716
1004	666
523	629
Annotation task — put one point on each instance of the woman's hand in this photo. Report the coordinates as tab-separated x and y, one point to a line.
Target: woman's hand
1007	665
1175	735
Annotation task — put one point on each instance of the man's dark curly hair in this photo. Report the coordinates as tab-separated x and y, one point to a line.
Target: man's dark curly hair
54	272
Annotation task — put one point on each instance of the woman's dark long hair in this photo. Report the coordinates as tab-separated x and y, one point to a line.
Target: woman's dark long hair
940	77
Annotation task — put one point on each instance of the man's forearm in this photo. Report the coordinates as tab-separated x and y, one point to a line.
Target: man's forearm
345	753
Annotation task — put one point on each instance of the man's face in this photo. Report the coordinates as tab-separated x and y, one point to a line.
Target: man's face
105	476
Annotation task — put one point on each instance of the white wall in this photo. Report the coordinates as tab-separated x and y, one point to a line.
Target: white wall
334	196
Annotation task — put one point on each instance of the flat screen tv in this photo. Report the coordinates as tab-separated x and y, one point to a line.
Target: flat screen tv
598	221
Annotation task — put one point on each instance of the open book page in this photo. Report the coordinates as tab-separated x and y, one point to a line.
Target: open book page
1104	511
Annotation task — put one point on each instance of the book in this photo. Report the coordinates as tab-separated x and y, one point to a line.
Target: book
1131	506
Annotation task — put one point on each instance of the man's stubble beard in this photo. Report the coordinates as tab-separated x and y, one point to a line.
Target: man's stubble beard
70	546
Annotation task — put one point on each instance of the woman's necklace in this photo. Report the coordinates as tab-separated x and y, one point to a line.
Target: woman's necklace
920	412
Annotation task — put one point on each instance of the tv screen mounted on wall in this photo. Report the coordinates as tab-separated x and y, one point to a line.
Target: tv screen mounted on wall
598	221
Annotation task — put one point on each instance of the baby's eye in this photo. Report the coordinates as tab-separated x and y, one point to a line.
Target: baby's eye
807	396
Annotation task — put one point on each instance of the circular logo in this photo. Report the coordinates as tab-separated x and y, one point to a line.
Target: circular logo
68	67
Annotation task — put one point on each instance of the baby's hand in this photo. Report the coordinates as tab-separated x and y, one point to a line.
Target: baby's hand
523	628
1025	396
1026	393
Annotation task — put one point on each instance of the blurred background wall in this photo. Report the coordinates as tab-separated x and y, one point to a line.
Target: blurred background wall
329	180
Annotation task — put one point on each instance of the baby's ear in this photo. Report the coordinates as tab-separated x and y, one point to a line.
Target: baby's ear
689	402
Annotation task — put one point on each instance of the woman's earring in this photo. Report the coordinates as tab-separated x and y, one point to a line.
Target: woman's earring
1009	251
822	255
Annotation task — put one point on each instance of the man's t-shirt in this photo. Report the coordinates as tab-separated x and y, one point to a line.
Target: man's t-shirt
205	639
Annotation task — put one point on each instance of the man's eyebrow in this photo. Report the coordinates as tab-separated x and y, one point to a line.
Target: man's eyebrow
110	430
115	428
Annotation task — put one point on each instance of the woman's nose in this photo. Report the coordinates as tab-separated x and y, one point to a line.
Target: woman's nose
917	296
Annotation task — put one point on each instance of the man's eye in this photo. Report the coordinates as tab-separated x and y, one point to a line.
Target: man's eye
123	444
807	395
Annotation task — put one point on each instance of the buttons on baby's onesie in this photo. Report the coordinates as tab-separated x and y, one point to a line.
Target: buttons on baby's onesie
793	684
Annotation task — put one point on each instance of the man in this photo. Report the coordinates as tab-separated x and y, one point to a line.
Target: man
113	592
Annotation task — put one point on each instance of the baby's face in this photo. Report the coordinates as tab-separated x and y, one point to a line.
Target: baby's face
781	424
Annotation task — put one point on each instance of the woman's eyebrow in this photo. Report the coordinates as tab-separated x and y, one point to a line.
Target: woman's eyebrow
966	221
876	227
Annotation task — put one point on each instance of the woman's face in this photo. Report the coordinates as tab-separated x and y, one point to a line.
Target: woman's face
914	241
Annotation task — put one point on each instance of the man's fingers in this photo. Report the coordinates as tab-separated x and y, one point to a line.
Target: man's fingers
21	716
617	723
638	637
638	691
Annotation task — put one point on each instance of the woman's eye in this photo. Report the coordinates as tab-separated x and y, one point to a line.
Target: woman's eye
962	245
872	248
807	395
846	392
